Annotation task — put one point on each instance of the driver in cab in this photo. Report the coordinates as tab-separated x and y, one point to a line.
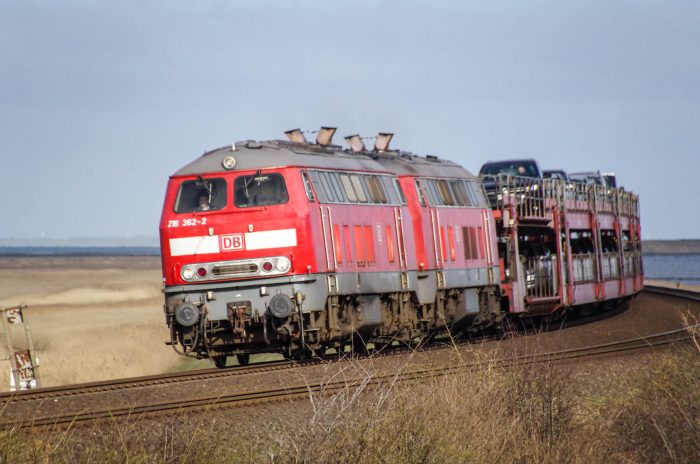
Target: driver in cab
204	203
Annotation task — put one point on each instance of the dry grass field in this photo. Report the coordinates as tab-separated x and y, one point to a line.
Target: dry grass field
92	318
647	412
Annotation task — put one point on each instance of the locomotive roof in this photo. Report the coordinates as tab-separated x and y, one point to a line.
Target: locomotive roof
251	155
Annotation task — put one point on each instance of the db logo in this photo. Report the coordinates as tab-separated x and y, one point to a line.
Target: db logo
231	242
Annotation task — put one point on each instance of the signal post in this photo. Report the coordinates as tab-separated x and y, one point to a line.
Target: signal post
24	366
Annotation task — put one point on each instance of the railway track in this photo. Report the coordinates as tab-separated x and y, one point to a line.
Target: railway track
214	373
143	381
373	381
669	291
291	392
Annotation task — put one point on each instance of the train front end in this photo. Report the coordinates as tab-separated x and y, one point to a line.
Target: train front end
236	268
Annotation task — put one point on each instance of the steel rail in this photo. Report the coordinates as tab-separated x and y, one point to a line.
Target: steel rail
299	391
142	381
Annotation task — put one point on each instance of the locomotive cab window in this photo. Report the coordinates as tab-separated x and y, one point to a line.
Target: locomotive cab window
260	190
201	195
307	187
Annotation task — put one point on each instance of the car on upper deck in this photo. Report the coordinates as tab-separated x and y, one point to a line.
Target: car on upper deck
610	179
555	174
587	177
515	167
492	171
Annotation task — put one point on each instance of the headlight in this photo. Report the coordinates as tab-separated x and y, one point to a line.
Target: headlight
282	264
187	273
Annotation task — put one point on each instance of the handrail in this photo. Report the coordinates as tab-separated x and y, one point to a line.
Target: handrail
534	197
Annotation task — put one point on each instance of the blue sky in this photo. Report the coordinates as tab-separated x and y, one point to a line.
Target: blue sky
101	101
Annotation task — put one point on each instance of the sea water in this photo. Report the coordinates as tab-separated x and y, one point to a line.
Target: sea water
79	251
676	268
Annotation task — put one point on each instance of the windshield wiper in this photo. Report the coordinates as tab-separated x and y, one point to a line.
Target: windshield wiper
205	184
249	182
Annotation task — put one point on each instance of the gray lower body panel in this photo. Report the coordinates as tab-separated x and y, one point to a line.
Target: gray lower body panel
315	288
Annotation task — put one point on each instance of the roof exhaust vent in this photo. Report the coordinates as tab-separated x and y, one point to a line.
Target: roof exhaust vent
325	136
355	142
295	135
382	143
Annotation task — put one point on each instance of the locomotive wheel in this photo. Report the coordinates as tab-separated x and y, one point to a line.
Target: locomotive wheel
359	346
419	342
219	361
243	359
303	354
339	353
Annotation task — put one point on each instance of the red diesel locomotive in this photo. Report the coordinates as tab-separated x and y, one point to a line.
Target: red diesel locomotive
296	247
